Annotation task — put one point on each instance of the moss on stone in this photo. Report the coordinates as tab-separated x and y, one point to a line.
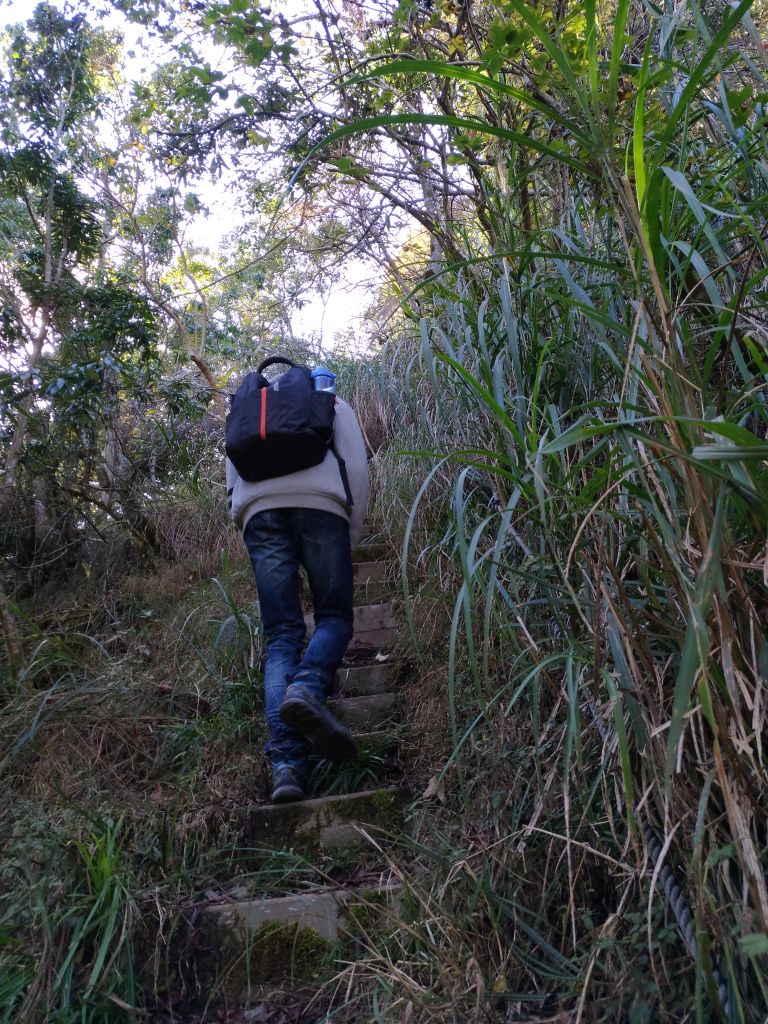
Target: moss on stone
228	961
384	801
284	951
378	805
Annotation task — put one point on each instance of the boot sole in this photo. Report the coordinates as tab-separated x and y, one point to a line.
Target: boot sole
288	795
329	738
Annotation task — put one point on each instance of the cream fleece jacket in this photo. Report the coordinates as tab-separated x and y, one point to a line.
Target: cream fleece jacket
318	487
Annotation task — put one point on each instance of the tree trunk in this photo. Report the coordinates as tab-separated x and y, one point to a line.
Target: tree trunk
10	630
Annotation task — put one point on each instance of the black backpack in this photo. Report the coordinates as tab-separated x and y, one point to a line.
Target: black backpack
278	427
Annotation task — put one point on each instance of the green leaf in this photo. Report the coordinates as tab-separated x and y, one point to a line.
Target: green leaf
638	134
618	43
681	183
699	73
730	453
480	81
696	644
256	50
754	945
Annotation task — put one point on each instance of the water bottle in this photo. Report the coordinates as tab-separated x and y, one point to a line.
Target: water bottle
324	379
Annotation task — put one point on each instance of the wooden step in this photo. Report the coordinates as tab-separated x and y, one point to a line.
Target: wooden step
372	711
374	626
325	823
361	680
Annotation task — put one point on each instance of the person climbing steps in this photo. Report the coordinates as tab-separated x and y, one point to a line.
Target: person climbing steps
297	485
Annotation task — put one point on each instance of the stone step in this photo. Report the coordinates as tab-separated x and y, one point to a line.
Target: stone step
373	549
323	910
373	641
284	939
370	582
373	711
367	617
318	910
327	823
374	616
371	592
362	571
374	626
383	743
361	680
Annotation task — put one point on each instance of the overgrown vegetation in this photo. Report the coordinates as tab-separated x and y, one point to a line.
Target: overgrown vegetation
567	422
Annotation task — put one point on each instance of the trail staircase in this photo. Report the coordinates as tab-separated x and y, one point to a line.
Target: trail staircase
252	954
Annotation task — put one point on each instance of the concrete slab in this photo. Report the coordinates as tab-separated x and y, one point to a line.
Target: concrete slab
320	911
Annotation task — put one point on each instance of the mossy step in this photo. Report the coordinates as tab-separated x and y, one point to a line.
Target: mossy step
286	939
320	911
328	823
323	910
372	711
361	680
230	949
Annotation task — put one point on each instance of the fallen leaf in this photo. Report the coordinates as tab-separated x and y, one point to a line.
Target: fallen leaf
434	788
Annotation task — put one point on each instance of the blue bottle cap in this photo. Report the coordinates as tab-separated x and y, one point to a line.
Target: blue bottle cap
325	380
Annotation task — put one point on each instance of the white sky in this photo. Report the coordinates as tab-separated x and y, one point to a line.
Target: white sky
323	317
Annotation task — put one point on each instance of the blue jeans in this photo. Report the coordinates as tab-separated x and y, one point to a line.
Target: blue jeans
278	541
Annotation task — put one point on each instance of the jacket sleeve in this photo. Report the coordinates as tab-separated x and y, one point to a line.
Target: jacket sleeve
349	444
232	478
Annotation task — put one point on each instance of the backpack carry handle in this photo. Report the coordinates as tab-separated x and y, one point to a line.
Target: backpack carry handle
272	360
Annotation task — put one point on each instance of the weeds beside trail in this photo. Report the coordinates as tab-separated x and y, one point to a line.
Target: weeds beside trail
584	420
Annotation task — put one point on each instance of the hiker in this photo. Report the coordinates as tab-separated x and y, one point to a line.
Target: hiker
312	517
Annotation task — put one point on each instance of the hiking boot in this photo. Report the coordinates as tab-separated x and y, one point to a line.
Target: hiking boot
311	718
288	783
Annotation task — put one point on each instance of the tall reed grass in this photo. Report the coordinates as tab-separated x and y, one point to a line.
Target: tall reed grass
595	388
